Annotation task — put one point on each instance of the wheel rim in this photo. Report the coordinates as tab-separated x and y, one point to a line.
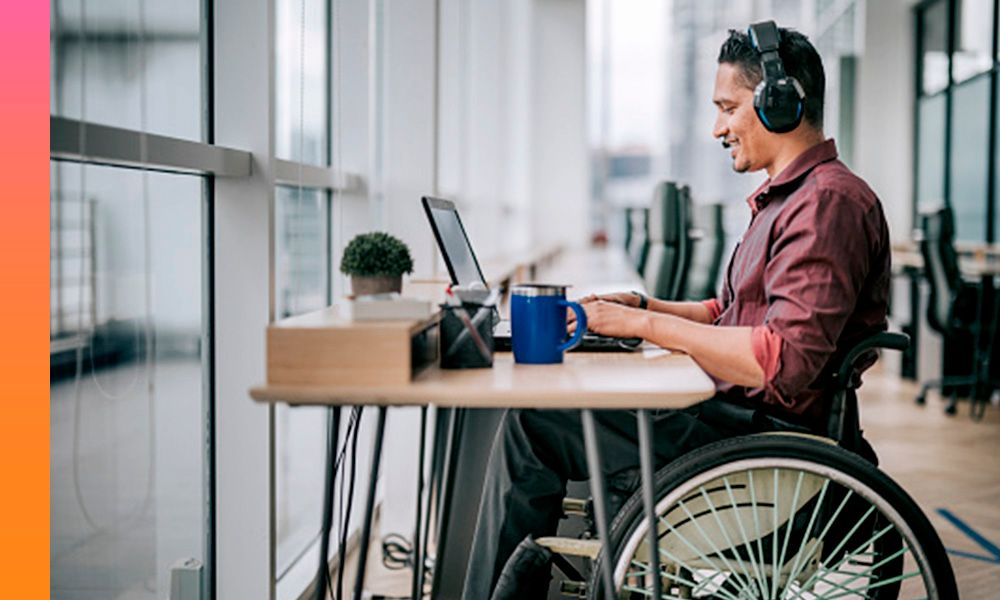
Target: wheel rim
721	532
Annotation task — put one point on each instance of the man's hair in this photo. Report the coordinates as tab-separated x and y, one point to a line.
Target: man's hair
799	58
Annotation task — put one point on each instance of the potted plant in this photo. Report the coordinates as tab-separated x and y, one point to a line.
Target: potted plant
376	262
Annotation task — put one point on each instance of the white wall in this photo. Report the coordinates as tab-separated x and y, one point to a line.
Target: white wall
884	126
560	166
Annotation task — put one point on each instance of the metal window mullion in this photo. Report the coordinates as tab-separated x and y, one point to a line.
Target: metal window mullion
991	167
120	147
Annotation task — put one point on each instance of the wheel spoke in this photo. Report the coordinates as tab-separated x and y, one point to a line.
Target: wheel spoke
871	570
757	533
743	585
743	533
725	533
898	578
822	535
844	541
687	543
799	556
775	566
791	521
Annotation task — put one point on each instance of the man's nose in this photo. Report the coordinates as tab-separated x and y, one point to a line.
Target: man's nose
720	129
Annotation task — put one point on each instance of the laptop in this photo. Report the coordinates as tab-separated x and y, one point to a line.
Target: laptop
463	268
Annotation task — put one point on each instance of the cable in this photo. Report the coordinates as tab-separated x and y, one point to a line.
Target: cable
350	501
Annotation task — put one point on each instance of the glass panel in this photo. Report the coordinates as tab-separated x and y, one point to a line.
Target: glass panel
969	158
974	38
103	41
302	271
930	152
934	20
301	91
128	403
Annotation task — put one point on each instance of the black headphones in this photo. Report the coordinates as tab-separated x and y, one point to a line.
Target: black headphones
778	99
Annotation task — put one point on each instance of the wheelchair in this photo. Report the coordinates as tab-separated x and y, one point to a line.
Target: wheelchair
778	515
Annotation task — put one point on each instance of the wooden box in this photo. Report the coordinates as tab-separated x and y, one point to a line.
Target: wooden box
323	348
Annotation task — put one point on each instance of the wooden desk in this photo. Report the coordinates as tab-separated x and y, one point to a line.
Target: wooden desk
652	378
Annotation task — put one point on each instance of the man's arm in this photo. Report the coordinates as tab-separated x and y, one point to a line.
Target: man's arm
692	311
724	352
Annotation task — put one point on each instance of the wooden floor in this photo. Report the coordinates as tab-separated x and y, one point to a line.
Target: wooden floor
949	463
945	463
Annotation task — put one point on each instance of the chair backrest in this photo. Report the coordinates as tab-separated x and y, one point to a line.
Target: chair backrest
663	226
667	226
706	252
685	243
638	238
940	265
844	424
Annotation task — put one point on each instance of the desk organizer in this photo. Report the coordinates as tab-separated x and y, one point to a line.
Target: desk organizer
325	348
458	350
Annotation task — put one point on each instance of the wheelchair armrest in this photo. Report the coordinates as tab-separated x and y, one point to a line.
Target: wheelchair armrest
884	339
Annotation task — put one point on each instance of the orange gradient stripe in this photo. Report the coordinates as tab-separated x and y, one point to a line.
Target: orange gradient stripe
24	301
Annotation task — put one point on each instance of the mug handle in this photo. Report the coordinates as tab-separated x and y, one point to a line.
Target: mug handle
581	326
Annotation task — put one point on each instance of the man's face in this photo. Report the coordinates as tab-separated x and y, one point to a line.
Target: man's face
751	146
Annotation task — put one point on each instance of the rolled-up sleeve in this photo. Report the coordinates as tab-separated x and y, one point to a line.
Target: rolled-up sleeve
819	262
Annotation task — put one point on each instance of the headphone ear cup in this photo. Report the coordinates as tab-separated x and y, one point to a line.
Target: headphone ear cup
779	105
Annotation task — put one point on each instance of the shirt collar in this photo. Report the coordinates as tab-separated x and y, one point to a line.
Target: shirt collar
804	163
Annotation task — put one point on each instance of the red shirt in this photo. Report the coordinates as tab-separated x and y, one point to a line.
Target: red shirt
811	276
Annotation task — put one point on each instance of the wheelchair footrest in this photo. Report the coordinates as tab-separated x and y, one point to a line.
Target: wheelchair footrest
573	589
571	546
576	507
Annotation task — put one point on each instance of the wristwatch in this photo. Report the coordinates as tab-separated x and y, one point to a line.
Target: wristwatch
643	300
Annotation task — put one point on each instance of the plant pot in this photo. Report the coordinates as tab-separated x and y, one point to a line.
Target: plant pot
366	285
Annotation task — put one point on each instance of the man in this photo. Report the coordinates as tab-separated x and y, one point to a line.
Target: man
809	279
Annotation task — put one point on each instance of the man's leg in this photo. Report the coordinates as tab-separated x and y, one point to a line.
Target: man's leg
535	453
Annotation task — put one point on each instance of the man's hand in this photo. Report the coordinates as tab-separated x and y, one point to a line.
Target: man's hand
613	319
624	298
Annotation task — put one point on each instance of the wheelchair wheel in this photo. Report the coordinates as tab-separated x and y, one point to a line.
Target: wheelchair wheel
777	517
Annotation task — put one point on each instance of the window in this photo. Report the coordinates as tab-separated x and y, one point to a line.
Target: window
955	101
129	64
128	401
302	271
933	23
970	158
301	77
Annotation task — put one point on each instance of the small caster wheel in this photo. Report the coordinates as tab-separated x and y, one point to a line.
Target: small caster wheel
951	409
921	400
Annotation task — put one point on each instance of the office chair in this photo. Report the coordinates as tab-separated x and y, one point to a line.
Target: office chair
668	225
954	309
708	244
637	236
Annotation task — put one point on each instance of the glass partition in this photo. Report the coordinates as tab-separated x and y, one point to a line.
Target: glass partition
930	152
301	91
107	56
302	271
970	158
934	47
128	381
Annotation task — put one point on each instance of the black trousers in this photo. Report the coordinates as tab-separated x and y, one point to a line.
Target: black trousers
536	452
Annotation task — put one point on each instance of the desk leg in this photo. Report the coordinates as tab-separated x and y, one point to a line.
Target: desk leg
648	500
455	423
600	501
418	571
366	525
323	572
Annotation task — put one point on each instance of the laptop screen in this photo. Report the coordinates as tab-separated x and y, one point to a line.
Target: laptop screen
453	242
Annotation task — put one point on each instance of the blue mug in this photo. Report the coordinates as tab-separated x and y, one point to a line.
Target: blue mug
538	322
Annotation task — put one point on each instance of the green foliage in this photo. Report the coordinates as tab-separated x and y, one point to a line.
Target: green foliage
376	253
